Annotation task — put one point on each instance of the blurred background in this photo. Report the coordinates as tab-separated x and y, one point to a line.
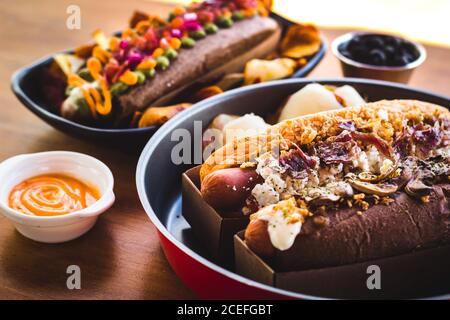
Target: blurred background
424	20
27	22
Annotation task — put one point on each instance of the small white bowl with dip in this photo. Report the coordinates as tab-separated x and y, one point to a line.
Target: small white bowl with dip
58	228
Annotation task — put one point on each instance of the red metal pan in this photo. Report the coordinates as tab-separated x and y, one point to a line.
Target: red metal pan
158	180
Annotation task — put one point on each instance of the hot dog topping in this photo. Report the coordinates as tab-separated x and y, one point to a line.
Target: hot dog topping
117	63
284	222
354	167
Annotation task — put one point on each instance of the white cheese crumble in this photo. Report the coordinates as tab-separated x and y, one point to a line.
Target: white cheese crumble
324	182
276	182
265	194
369	161
375	159
330	173
386	165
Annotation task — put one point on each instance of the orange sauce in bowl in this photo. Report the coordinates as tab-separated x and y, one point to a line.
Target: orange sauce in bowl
51	195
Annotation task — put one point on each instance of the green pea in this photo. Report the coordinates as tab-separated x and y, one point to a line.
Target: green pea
197	35
171	53
140	76
224	22
187	42
162	62
149	73
237	16
210	28
85	74
118	88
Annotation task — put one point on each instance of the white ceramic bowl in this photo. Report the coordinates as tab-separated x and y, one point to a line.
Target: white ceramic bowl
56	229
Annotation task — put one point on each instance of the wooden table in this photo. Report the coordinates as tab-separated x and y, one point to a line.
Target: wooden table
120	258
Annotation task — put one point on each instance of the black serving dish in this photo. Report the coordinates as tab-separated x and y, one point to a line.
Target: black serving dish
25	84
158	182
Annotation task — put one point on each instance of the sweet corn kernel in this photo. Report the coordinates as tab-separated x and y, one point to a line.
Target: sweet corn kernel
147	64
158	52
175	43
129	78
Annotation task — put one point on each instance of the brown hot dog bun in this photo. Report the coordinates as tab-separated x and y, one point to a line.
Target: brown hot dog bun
226	51
382	231
228	189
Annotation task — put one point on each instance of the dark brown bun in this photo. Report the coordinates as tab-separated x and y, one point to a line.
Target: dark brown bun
383	230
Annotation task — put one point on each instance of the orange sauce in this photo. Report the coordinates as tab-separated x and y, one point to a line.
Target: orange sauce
51	195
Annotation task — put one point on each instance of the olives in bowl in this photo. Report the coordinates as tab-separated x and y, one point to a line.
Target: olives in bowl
378	56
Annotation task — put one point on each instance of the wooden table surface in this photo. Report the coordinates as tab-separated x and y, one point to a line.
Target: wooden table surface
120	258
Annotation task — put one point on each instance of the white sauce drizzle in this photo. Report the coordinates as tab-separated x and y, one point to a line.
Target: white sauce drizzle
282	231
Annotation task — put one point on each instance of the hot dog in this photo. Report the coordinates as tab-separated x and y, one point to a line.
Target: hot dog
206	59
343	236
155	59
348	185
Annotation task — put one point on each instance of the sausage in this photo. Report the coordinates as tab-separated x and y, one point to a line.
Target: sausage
228	189
381	231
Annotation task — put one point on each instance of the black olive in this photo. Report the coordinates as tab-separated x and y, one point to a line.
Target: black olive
393	41
408	57
377	57
343	49
410	49
389	51
375	42
359	53
401	60
354	43
356	40
379	50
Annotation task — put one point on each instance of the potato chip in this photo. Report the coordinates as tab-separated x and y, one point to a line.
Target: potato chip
206	93
301	40
155	116
137	17
257	70
84	51
230	81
